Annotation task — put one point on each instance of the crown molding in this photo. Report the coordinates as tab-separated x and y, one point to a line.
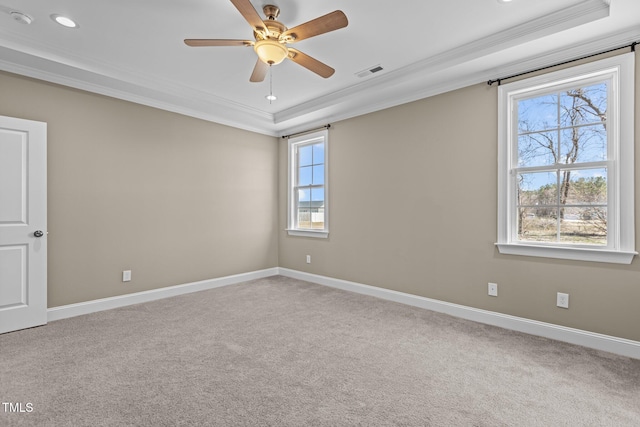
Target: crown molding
428	77
555	22
122	84
445	84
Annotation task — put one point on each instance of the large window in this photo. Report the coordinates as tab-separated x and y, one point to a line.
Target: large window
566	163
308	190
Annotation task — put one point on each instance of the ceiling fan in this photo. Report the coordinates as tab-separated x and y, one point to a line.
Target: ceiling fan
272	37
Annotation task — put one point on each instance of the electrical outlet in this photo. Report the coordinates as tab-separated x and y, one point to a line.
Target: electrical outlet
493	289
308	259
126	276
562	300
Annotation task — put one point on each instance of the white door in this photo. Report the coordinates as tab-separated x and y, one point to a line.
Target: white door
23	224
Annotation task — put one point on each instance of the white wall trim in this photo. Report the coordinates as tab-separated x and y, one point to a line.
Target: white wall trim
72	310
181	100
50	63
621	346
572	16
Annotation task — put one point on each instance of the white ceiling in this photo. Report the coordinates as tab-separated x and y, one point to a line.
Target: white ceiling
134	50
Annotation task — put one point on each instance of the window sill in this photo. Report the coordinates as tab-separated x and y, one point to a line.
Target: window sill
308	233
577	254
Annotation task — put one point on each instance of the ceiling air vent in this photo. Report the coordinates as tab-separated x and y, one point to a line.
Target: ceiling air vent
369	71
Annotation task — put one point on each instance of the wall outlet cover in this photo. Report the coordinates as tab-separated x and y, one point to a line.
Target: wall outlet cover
493	289
562	300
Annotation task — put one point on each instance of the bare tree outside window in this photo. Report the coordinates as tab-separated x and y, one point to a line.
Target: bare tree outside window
562	170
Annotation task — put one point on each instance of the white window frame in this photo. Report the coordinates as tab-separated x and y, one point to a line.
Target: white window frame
619	71
310	138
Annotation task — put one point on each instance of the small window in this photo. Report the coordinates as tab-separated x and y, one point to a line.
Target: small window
308	190
566	164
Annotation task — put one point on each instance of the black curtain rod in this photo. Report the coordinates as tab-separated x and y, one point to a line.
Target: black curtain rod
632	46
306	131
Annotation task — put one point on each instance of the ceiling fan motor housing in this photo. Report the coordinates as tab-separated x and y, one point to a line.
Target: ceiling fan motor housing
275	28
271	11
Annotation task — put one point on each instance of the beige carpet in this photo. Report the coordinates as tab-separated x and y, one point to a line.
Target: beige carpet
282	352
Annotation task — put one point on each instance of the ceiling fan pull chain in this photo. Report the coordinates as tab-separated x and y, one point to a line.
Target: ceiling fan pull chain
270	83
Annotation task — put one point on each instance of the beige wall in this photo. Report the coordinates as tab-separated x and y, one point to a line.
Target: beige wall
413	208
175	199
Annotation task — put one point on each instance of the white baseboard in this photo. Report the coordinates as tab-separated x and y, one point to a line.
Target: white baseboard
72	310
621	346
593	340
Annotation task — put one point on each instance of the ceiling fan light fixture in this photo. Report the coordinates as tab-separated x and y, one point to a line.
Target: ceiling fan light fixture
270	51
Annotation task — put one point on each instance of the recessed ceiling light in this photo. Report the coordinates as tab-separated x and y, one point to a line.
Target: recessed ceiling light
64	21
504	1
21	17
271	97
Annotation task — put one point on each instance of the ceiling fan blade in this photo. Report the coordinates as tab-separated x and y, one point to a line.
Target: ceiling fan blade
249	13
312	64
259	72
324	24
216	42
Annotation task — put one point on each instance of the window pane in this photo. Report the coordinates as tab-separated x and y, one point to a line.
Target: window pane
584	226
304	175
538	114
537	149
583	144
317	208
318	175
305	155
317	218
538	224
584	105
318	154
587	187
317	194
304	197
303	211
538	188
304	218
